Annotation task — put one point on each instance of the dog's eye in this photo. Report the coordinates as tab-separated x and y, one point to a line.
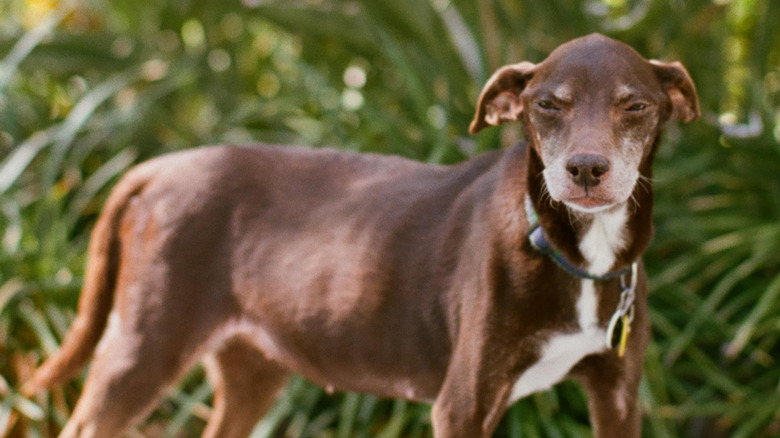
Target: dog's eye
548	105
636	107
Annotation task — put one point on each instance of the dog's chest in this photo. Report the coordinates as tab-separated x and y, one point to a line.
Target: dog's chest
563	350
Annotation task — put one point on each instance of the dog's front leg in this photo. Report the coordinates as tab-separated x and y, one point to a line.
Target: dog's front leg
472	400
612	385
612	382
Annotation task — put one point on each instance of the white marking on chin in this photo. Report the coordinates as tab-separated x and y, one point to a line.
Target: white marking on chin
590	210
604	239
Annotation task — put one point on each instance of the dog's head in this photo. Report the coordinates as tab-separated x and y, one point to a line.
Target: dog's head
592	111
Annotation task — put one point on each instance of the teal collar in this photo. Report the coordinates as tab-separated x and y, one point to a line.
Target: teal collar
539	241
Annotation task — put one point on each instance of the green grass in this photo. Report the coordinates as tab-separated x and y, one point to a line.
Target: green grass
90	89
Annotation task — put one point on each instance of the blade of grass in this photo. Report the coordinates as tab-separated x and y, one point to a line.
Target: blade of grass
30	40
746	329
78	116
187	404
16	163
395	425
719	293
39	327
99	179
348	413
751	423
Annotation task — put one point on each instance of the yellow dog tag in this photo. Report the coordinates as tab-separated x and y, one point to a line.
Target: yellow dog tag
625	329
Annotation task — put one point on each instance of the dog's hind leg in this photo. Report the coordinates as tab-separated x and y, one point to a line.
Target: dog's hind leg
128	377
245	385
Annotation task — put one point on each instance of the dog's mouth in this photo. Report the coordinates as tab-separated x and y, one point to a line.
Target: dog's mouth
610	190
589	204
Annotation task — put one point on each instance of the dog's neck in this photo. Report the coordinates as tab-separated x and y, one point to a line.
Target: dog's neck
599	245
597	242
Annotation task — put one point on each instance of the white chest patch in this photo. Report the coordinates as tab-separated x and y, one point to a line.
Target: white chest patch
562	351
559	355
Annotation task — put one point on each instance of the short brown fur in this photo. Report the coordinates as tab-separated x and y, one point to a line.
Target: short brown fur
362	272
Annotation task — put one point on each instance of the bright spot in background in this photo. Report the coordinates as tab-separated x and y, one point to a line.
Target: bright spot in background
193	35
437	117
351	99
355	76
122	47
268	85
219	60
64	276
154	69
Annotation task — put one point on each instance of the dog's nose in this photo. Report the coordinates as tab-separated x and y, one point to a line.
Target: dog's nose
586	169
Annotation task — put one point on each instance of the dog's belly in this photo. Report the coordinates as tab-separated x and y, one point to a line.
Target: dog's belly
558	356
333	367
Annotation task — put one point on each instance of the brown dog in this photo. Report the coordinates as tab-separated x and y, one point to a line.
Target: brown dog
383	275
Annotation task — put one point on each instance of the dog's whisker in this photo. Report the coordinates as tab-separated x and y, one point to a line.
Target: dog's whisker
645	183
634	200
572	218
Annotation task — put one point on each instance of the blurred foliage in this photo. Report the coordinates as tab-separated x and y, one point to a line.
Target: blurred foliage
88	88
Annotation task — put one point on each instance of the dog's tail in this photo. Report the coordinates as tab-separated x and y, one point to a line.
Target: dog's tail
97	294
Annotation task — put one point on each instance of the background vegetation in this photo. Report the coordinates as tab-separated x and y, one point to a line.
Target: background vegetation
88	88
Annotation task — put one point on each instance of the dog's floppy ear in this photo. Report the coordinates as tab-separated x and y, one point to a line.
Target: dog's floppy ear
500	99
679	87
